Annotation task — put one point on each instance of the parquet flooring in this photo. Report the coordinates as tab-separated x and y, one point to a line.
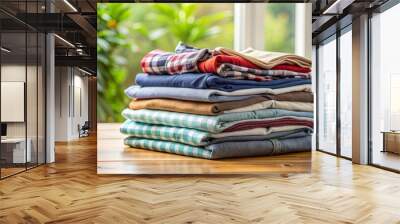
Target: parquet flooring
70	191
115	158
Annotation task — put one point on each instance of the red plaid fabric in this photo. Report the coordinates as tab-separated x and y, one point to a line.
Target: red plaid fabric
162	62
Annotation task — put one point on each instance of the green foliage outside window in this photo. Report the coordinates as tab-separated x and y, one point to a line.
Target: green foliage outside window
279	27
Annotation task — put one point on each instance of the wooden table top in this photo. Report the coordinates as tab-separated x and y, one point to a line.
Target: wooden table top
113	157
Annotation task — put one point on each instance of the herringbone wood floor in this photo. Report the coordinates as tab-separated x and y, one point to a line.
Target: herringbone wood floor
70	191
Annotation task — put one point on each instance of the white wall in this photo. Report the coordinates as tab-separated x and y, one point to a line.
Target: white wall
70	83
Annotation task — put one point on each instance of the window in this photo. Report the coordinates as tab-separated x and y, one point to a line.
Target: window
22	87
346	93
385	85
327	96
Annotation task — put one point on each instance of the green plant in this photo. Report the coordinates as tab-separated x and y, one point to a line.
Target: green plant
112	35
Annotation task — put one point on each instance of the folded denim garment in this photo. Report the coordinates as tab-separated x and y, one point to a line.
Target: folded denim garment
207	95
216	124
265	59
201	138
192	107
211	81
268	147
161	62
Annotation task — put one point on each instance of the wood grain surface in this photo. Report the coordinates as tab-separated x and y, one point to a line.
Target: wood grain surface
115	158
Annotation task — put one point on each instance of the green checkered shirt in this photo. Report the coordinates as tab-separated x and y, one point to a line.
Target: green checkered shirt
159	132
199	122
170	147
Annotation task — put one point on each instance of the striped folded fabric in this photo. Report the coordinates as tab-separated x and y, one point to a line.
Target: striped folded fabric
239	72
238	68
216	124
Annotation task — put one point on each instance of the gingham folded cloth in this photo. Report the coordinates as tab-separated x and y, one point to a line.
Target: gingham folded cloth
217	124
162	62
201	138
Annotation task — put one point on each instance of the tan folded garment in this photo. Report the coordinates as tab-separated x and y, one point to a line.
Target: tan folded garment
192	107
265	59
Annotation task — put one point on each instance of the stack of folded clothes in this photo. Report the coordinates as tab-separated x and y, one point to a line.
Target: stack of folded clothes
220	103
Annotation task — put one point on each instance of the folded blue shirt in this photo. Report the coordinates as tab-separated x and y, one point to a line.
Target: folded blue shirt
211	81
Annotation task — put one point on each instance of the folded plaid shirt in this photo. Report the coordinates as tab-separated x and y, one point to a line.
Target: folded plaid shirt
170	147
162	62
239	72
159	132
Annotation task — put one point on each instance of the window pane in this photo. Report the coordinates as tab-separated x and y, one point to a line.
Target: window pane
280	27
327	97
385	82
15	150
346	94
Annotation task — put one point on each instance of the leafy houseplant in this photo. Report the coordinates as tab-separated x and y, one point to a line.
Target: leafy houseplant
112	35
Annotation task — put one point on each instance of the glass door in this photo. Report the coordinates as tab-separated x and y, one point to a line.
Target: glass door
14	144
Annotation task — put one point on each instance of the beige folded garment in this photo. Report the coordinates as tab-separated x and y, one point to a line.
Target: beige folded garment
258	131
273	104
192	107
265	59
